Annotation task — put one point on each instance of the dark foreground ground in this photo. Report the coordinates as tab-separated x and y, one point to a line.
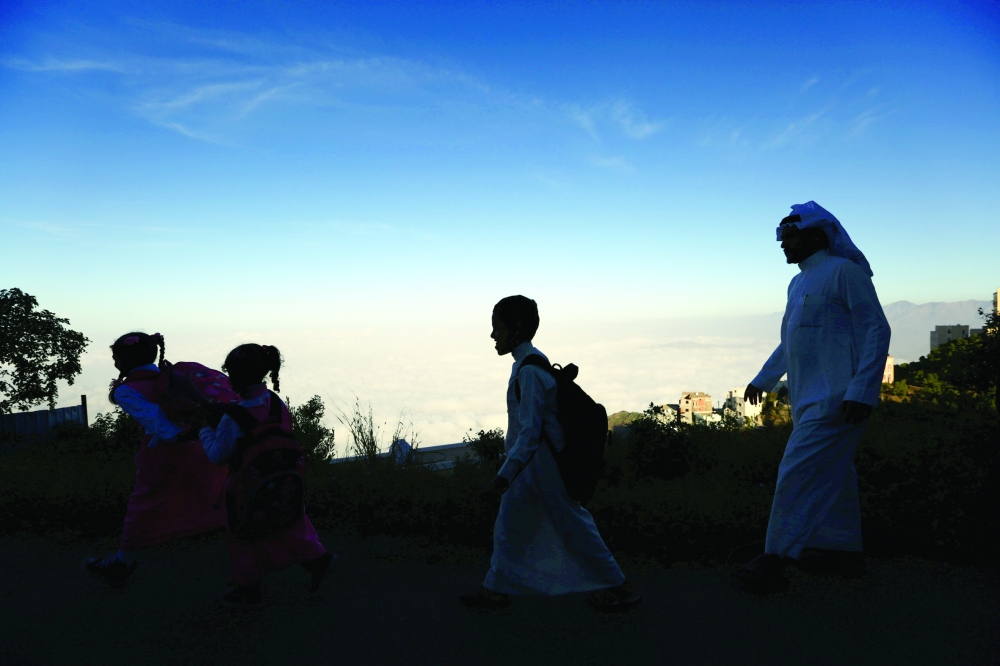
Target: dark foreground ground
387	602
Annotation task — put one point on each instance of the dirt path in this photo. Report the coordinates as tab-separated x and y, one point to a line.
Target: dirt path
382	605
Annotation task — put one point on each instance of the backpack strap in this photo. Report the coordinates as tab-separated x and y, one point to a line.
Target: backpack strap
253	429
536	360
140	375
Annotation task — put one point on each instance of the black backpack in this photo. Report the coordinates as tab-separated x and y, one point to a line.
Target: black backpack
585	428
265	491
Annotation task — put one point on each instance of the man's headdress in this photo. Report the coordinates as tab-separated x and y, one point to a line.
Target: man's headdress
811	215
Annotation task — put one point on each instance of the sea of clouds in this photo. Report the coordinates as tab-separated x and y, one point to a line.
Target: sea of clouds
447	380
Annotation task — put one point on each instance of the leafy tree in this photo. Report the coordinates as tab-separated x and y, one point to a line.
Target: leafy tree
36	350
657	447
984	373
964	366
317	440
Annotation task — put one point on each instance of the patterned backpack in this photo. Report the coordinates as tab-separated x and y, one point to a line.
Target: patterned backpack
265	492
187	386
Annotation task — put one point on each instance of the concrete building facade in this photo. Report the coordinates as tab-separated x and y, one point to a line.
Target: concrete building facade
889	374
944	334
694	402
736	406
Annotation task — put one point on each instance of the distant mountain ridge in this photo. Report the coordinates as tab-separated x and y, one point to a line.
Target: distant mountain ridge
912	323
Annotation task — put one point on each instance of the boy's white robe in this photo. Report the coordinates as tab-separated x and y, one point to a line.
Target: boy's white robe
544	542
834	343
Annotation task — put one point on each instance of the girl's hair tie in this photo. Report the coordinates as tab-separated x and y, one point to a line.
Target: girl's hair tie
157	338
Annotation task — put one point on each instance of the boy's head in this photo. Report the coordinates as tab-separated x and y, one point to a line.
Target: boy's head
134	349
248	364
515	320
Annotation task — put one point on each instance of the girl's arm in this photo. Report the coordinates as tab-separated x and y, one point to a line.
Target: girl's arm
220	442
149	415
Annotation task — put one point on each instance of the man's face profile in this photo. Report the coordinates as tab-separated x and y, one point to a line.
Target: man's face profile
800	244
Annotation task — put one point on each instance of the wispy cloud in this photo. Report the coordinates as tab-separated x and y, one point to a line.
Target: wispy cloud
205	97
614	163
207	92
860	123
808	84
621	114
91	234
796	129
57	65
585	119
633	121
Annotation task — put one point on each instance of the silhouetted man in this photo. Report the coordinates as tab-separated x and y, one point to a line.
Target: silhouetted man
834	342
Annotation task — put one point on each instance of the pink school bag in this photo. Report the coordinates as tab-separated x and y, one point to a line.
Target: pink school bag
186	386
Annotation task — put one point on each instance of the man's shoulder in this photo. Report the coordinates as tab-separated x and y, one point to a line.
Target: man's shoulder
847	269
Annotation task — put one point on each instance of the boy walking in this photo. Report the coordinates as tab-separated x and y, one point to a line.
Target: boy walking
544	542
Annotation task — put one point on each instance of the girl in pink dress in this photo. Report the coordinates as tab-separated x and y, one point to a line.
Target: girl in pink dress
178	492
250	558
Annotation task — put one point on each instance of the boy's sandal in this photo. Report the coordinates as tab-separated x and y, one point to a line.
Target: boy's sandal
318	568
484	598
110	569
615	599
762	575
243	598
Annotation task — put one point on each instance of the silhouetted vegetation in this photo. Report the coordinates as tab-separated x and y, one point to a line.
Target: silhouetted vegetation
674	492
36	350
963	372
487	447
317	440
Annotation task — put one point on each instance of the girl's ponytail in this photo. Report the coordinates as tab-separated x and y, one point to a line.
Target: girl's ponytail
272	361
158	339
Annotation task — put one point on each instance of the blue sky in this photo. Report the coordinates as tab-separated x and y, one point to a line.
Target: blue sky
251	167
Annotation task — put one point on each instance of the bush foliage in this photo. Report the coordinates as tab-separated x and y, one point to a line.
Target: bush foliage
928	473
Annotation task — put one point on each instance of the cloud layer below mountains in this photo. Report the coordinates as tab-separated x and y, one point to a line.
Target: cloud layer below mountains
449	380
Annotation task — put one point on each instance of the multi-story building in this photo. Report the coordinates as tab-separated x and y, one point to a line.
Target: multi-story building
943	334
740	408
694	402
889	374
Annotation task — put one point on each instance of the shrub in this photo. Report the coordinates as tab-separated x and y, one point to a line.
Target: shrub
488	447
654	447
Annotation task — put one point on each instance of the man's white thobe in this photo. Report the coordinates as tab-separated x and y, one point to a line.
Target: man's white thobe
544	542
834	342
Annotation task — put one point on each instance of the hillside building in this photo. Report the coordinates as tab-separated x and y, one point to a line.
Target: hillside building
736	406
889	374
692	403
944	334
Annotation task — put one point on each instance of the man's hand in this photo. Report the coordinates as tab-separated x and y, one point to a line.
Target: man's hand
855	412
753	395
498	486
